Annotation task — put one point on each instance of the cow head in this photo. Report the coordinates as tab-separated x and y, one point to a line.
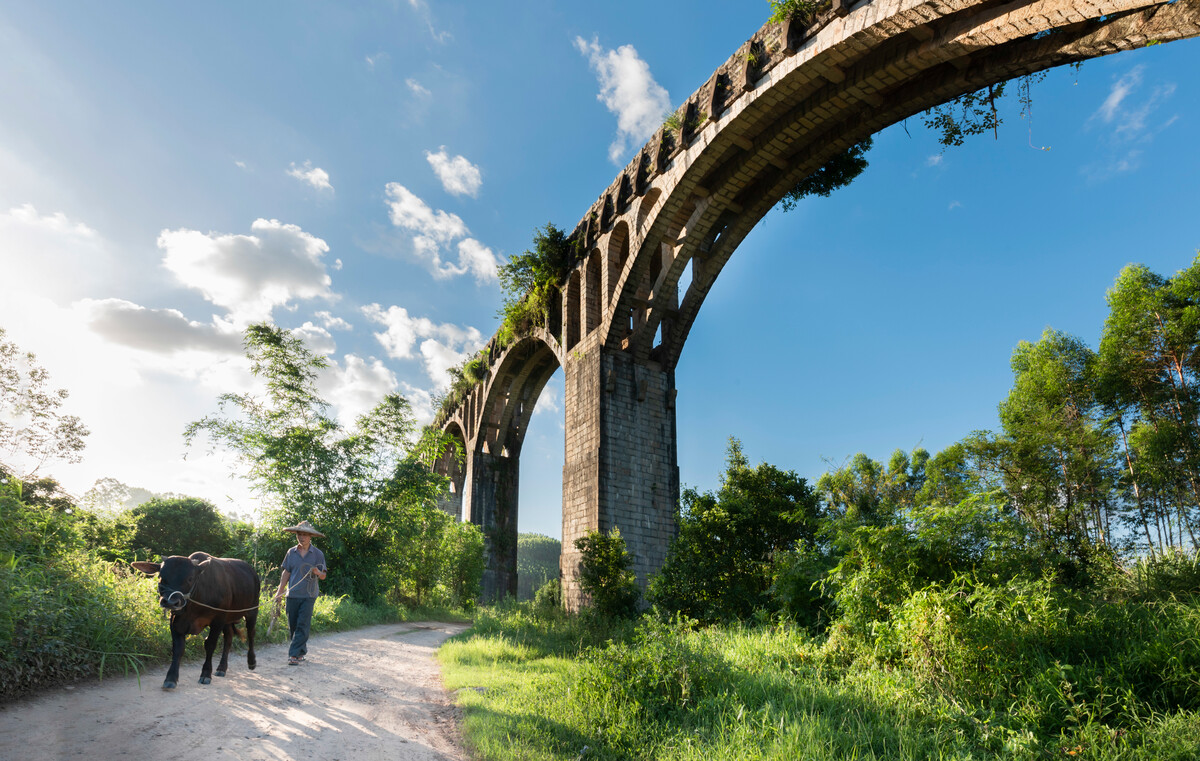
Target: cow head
176	579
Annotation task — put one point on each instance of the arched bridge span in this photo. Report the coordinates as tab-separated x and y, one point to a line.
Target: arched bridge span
792	98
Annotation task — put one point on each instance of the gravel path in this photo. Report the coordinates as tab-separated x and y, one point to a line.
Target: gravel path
363	695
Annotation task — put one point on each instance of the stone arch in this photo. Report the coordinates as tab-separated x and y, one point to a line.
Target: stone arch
809	92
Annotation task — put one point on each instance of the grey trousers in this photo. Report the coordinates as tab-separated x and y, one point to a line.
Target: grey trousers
299	613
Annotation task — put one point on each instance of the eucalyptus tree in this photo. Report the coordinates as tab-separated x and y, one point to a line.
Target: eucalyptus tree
351	484
1149	381
1061	464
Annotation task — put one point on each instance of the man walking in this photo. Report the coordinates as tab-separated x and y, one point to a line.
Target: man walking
303	566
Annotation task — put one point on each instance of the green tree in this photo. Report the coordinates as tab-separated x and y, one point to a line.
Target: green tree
1061	465
1149	382
720	566
354	485
179	526
605	575
537	563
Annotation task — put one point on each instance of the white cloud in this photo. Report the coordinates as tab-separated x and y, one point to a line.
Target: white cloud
422	9
955	205
628	90
1131	114
240	164
478	258
417	88
441	345
934	160
375	60
249	275
317	339
315	176
157	331
39	248
432	230
355	386
459	177
332	322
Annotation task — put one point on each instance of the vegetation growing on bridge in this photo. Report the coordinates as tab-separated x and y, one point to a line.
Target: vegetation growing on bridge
1030	593
838	172
531	282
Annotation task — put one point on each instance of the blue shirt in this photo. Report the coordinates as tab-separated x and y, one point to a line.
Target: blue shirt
301	583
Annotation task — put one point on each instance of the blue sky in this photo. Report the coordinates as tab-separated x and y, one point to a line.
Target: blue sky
170	172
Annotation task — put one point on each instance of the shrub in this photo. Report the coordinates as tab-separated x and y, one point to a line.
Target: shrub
604	574
659	673
548	596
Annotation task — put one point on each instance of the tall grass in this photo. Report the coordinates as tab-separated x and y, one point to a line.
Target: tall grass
964	671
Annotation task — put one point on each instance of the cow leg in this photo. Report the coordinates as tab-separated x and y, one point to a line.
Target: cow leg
251	621
172	679
210	644
223	666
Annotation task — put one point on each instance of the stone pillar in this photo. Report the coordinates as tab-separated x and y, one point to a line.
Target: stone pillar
621	464
493	507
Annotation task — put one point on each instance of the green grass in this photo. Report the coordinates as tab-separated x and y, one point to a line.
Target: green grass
539	686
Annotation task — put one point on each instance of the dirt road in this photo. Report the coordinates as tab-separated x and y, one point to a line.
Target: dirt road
365	695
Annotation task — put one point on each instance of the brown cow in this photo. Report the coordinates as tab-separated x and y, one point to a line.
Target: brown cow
202	591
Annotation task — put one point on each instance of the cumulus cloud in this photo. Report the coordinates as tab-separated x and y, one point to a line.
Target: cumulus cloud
249	275
316	338
313	175
332	322
355	386
628	90
38	248
459	177
435	230
440	346
158	331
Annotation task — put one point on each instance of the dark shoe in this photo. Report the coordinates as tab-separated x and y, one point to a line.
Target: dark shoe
293	661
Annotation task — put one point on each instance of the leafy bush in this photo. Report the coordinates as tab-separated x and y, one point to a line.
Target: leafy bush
604	574
179	526
719	567
548	596
658	672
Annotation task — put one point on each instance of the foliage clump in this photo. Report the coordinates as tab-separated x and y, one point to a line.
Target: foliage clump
720	565
605	575
838	172
532	280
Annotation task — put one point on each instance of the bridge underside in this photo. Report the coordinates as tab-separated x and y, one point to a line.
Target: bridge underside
793	98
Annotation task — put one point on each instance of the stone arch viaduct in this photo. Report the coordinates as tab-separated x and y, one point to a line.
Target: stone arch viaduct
789	100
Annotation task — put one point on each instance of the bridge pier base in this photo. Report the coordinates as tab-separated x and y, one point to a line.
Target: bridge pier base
493	500
621	466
